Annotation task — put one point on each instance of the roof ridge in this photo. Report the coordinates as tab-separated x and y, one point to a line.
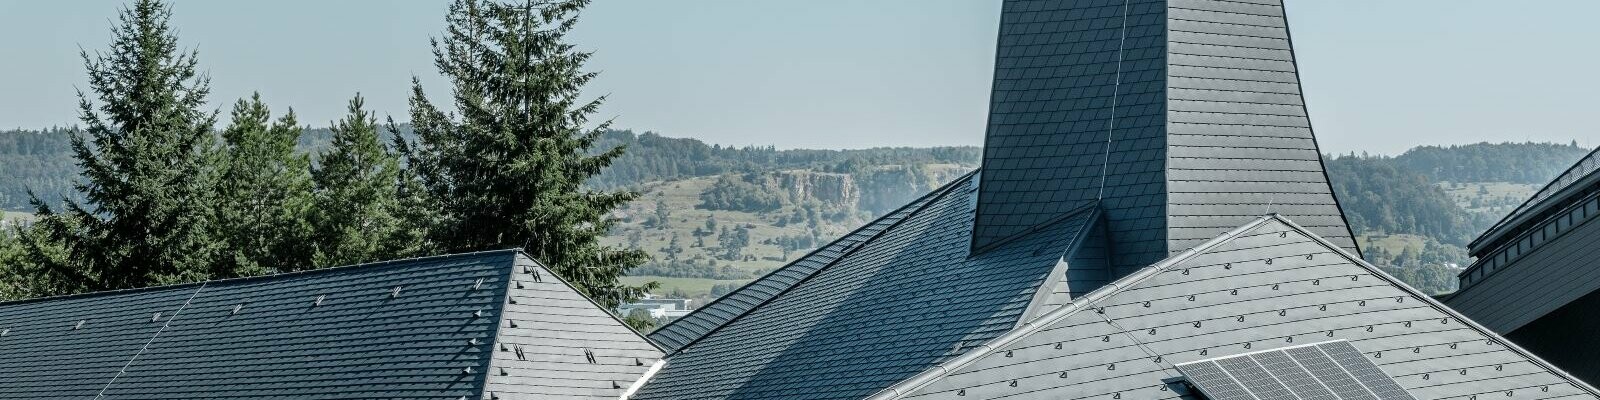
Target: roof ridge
919	203
524	256
280	275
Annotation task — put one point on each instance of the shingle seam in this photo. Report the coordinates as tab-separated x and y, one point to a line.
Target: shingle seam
147	343
1042	293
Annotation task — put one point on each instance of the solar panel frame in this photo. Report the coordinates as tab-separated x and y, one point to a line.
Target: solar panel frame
1212	381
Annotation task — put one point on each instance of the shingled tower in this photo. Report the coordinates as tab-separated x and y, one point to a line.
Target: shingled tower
1180	119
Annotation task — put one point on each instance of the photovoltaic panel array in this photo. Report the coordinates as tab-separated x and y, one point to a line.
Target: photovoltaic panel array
1321	371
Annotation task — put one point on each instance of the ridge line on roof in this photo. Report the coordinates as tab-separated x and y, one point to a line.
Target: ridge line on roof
939	194
513	275
510	275
925	199
153	336
282	275
1032	326
1069	213
1041	293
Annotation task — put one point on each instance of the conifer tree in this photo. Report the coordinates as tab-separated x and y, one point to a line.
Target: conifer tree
141	148
510	171
263	191
353	213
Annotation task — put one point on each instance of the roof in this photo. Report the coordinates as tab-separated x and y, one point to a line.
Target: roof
1181	118
419	328
1265	285
886	309
1547	197
684	330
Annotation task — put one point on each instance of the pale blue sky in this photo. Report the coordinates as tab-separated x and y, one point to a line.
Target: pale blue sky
1380	75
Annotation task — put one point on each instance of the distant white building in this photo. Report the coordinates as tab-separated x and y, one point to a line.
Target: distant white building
659	308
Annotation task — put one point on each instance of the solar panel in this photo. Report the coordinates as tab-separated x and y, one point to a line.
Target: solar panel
1218	385
1319	371
1364	370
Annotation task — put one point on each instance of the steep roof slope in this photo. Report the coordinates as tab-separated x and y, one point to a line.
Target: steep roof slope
420	328
554	343
705	319
883	311
1268	284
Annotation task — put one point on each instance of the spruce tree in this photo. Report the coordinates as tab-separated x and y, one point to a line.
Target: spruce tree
141	148
263	194
510	171
353	213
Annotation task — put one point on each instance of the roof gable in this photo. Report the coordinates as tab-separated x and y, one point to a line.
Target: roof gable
1265	285
555	343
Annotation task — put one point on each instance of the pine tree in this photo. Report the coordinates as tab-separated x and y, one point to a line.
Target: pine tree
509	172
353	213
263	194
142	147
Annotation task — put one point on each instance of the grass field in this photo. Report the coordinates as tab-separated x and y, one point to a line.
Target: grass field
1394	244
1497	198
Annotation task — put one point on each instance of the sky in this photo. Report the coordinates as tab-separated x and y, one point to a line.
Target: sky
1380	76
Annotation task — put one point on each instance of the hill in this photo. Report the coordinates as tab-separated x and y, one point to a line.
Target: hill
716	216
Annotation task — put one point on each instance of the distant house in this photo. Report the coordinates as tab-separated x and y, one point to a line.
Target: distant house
489	325
657	307
1537	275
1151	220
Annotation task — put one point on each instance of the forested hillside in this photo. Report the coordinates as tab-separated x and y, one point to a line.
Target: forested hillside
714	217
